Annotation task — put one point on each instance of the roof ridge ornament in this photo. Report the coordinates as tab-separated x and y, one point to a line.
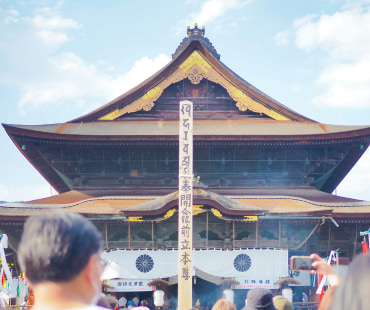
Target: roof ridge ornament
195	31
196	34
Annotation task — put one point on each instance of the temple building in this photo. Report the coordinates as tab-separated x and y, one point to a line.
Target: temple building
263	178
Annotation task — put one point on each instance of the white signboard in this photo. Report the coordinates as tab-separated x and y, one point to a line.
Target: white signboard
257	282
128	285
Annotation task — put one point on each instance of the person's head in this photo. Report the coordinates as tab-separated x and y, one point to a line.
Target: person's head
136	301
56	246
122	302
112	301
282	303
353	291
223	304
107	301
259	298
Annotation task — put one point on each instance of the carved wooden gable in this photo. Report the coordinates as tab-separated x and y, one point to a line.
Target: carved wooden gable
196	80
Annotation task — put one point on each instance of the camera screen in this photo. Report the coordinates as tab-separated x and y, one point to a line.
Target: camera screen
301	263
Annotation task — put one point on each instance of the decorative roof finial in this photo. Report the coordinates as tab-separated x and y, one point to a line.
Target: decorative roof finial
196	31
195	34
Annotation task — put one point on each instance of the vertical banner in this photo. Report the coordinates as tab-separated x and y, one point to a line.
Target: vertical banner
185	253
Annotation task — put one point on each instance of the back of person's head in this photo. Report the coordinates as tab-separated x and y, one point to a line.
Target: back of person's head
102	301
282	303
122	302
136	301
112	301
353	292
107	301
56	246
223	304
259	298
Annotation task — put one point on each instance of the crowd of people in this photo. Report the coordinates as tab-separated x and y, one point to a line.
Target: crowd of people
111	302
60	253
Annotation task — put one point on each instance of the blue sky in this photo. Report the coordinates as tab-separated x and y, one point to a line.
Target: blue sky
62	59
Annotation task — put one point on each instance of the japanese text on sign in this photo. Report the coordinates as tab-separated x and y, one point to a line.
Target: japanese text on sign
185	214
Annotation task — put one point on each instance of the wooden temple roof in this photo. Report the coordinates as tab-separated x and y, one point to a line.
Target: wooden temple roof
306	202
195	55
228	129
131	117
194	60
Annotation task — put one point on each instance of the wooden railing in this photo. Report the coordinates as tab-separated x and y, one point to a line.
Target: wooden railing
305	305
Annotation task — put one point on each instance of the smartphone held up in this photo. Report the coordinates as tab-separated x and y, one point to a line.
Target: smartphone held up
301	263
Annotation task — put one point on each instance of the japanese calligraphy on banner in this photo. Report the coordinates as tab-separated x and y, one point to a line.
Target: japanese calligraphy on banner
257	282
185	226
128	285
153	264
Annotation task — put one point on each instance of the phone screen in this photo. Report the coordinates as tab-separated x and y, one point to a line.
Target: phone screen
301	263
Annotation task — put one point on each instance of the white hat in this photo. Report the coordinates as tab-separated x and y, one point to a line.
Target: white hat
136	301
122	301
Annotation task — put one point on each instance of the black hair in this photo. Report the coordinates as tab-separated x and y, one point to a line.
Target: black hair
56	246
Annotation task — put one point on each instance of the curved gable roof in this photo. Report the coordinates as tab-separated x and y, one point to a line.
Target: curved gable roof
193	58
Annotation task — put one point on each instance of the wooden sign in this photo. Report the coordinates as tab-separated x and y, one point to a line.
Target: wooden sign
185	225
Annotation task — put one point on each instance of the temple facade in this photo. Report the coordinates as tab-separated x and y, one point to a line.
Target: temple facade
263	178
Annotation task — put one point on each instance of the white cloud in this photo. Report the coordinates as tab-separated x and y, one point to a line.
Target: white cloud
47	25
347	85
344	37
47	76
54	22
11	17
73	81
52	38
282	38
213	9
52	28
350	4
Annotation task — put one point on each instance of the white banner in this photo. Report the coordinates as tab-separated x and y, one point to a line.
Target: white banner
243	263
251	264
257	282
140	264
129	285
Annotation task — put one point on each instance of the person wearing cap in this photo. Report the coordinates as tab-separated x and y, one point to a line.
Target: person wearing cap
223	304
282	303
122	303
259	299
136	301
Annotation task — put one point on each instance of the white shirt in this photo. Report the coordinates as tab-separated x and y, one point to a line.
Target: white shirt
288	294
